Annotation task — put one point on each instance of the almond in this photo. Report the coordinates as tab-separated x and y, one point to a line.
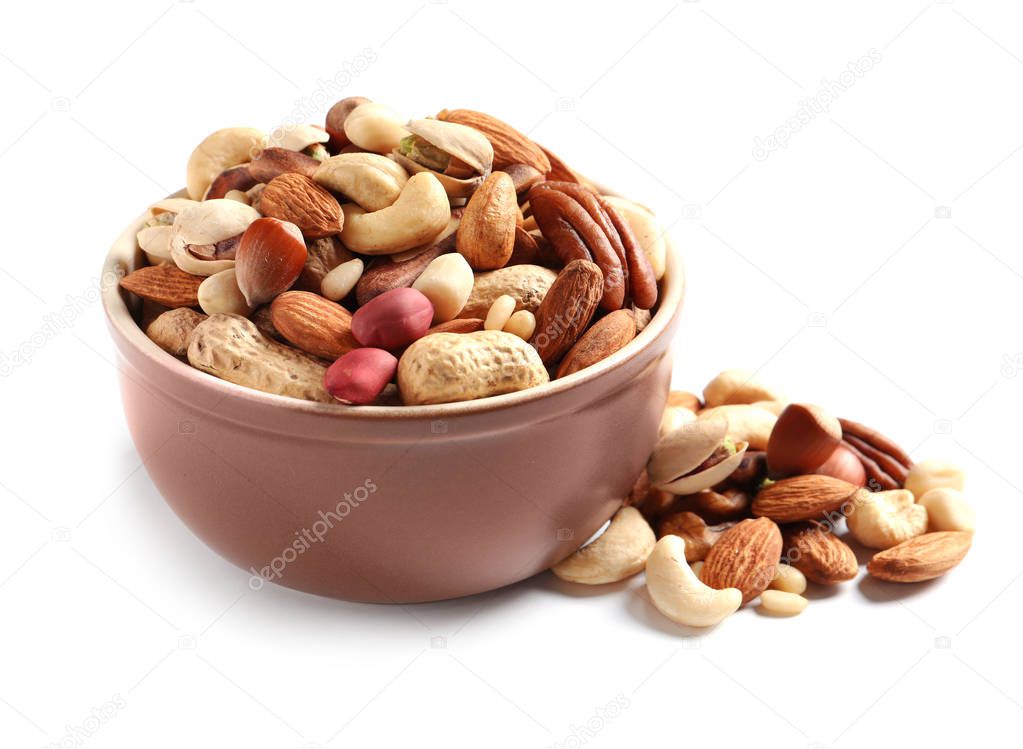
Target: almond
165	284
270	256
607	335
486	234
567	309
510	146
745	557
815	550
921	558
314	324
296	198
458	325
802	498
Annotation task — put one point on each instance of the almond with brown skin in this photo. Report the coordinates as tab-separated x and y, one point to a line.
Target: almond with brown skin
510	146
314	324
567	309
921	558
815	550
606	336
486	234
165	284
745	557
296	198
802	498
458	325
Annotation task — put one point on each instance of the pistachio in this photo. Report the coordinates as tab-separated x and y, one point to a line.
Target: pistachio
298	138
457	155
694	457
204	234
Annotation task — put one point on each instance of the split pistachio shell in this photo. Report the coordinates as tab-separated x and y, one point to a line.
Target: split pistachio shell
683	450
464	143
170	205
297	137
449	141
371	180
618	553
219	151
207	223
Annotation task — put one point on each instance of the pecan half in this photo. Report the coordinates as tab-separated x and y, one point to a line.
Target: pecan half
885	463
581	225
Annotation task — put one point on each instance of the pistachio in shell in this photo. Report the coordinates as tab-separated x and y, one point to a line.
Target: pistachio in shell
459	156
694	457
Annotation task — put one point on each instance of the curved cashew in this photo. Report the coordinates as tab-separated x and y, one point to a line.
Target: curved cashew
219	151
880	520
737	386
371	180
618	553
374	127
419	214
934	474
678	593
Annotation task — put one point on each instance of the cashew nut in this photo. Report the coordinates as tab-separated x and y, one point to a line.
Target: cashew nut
371	180
374	127
880	520
678	593
947	510
737	386
219	151
934	474
420	213
618	553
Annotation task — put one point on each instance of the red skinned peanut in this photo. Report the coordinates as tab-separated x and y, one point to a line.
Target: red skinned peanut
393	319
359	376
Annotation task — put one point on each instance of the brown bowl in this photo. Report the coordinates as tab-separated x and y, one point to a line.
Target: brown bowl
391	504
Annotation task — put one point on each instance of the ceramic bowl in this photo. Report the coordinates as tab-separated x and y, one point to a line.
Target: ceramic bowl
391	504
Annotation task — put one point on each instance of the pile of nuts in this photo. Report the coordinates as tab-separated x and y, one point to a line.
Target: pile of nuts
748	496
377	260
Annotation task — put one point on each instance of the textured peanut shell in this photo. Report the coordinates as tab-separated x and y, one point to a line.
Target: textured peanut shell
232	348
449	367
171	329
527	284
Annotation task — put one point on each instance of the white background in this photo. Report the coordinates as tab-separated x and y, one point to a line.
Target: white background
873	265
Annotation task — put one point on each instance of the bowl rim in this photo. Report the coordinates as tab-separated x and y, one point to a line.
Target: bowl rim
124	256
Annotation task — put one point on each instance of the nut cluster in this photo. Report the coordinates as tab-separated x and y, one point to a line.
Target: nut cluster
381	260
748	496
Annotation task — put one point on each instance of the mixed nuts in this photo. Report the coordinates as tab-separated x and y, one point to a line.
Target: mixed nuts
750	496
450	257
